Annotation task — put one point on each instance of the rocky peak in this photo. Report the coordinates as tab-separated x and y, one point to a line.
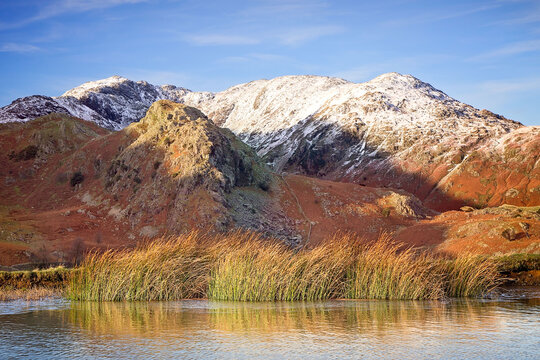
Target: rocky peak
177	156
121	100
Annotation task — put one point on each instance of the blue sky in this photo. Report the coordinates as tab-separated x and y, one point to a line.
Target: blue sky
484	53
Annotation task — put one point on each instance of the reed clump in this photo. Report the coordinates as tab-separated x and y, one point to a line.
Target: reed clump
245	267
168	269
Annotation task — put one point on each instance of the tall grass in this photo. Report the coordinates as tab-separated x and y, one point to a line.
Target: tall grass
243	266
383	270
161	270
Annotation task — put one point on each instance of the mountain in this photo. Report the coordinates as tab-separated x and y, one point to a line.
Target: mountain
393	131
32	107
112	103
123	101
68	185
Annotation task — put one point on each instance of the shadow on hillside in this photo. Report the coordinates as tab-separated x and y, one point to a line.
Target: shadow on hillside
312	155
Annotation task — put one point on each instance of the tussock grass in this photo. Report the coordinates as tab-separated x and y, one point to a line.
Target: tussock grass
243	266
383	270
168	269
469	276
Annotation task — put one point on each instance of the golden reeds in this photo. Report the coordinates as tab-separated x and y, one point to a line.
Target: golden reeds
243	266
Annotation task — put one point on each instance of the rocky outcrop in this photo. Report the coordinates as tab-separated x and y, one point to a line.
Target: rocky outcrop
177	161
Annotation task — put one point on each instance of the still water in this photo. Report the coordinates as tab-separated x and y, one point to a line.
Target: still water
507	327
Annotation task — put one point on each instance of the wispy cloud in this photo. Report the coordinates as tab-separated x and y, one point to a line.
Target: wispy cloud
430	17
510	49
525	19
219	39
286	36
255	57
285	8
300	35
528	13
18	48
61	7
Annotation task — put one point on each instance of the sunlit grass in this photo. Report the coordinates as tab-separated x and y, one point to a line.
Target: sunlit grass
243	266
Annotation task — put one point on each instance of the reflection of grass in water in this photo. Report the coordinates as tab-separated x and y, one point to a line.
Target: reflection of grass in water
242	266
364	315
153	319
128	317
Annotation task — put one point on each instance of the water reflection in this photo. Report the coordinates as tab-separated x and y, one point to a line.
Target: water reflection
337	317
494	328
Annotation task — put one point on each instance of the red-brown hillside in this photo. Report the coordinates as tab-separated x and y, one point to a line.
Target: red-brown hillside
67	185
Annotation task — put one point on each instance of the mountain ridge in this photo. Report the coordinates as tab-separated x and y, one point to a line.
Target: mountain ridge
394	130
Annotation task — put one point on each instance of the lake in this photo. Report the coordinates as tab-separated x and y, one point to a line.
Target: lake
503	327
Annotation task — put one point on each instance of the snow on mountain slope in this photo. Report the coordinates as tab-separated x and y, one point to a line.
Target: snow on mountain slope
394	130
384	114
112	103
31	107
121	100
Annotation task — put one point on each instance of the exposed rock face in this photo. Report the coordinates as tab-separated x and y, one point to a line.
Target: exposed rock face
177	161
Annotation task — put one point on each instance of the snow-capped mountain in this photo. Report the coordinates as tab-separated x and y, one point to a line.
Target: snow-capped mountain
123	101
112	103
394	130
31	107
391	114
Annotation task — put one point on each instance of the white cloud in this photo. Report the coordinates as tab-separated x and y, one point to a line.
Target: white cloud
510	49
60	7
18	48
219	39
292	36
76	6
